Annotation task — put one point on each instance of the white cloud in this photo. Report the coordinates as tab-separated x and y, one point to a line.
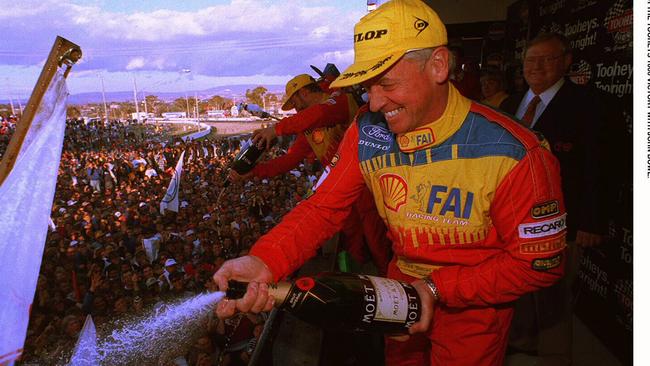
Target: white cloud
26	8
135	63
244	38
342	59
238	16
320	32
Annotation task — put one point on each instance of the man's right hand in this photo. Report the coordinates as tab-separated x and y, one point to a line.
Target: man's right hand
246	269
235	177
264	137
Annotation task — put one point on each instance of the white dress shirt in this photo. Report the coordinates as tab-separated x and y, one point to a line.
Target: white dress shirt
546	96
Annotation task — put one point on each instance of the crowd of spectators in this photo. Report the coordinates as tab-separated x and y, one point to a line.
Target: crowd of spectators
110	252
7	128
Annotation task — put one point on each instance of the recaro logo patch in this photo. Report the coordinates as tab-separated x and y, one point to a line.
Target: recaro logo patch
543	229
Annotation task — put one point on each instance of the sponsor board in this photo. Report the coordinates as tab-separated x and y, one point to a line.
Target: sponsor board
618	23
614	78
580	72
551	7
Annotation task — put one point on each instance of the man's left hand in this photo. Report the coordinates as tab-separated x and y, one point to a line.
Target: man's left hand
426	315
264	137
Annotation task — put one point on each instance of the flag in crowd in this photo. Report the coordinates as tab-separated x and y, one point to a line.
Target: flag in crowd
85	353
28	190
170	201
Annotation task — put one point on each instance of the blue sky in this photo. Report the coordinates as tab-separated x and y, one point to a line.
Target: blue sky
220	42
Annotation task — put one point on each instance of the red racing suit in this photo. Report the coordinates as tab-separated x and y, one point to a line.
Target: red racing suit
473	200
319	130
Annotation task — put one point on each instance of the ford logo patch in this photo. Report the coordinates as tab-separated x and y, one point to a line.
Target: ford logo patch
376	133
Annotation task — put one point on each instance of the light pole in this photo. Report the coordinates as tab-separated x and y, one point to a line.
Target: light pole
135	99
101	77
11	100
144	101
187	102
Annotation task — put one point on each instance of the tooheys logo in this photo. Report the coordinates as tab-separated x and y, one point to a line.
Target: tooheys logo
443	200
543	228
618	23
551	8
551	28
376	133
545	209
580	72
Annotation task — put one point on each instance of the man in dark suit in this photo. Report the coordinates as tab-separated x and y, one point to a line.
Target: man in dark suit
568	116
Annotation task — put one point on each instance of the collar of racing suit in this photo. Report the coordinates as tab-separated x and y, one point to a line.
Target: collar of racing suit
438	131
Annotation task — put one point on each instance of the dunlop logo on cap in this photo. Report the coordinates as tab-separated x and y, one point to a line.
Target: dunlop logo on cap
420	25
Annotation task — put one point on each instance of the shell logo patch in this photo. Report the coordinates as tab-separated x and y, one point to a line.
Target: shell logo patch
416	139
318	136
404	140
394	191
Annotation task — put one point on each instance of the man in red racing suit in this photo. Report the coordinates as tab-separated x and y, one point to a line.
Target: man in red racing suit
472	199
320	123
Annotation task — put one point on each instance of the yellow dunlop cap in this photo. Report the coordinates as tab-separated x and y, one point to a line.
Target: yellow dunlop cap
383	36
293	86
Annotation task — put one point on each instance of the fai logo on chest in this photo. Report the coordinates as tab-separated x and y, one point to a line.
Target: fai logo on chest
443	200
394	191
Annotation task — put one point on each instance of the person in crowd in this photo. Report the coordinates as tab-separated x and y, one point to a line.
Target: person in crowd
573	120
465	74
456	182
321	120
493	88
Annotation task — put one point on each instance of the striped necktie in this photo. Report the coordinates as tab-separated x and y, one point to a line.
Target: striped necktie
527	119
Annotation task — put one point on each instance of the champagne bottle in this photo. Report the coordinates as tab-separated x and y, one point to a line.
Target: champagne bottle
247	159
346	301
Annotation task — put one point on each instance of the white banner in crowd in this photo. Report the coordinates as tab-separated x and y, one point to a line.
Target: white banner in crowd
170	201
152	246
26	198
85	352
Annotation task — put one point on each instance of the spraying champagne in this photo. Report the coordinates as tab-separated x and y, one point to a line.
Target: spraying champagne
345	301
